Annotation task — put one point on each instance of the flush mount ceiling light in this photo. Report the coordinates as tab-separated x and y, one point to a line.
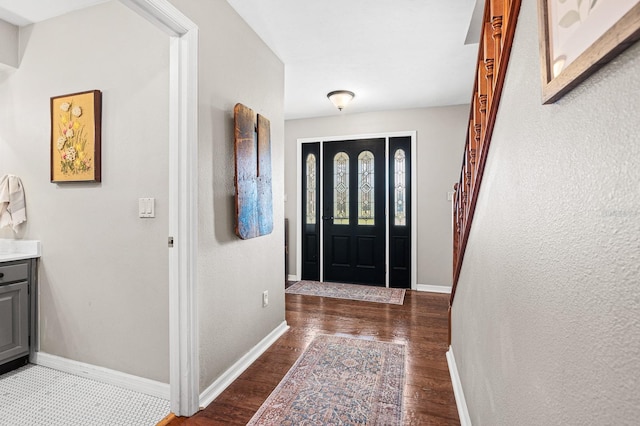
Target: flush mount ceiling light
340	98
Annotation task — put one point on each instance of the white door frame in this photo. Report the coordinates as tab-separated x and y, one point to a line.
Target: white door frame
414	204
183	199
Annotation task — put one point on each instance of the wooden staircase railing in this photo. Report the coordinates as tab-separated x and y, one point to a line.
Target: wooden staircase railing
496	38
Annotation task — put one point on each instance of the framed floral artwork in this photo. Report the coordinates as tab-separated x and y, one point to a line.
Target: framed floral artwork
75	137
579	36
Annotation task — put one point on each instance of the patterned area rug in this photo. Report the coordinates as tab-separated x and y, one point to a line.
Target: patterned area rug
365	293
339	381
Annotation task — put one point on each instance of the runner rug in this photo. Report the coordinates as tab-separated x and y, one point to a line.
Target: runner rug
339	381
363	293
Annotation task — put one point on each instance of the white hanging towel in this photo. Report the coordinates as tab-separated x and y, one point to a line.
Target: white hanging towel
13	210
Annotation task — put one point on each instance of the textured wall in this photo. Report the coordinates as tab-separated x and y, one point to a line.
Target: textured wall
440	140
546	324
235	66
103	273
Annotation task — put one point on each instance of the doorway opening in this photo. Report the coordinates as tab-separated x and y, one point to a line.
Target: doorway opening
356	211
183	190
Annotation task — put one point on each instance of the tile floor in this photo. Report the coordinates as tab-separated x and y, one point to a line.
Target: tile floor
40	396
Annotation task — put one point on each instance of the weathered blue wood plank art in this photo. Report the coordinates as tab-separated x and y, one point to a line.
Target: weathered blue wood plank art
254	198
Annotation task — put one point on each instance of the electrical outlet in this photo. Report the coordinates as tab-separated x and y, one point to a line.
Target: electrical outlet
265	298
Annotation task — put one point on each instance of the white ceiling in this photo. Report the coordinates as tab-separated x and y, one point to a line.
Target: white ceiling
24	12
394	54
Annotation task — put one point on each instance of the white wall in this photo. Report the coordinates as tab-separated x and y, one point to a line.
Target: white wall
440	141
103	272
235	66
8	44
546	324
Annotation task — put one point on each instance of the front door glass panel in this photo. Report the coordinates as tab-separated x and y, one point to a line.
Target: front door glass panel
366	188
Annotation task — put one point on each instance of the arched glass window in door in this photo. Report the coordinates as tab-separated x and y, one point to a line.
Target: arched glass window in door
311	190
400	188
366	189
341	189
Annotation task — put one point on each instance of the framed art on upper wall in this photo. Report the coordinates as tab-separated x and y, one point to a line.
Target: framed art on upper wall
579	36
75	137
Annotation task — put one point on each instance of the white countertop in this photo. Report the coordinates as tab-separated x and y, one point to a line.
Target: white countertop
19	249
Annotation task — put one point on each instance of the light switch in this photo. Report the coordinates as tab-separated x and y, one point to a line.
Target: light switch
147	207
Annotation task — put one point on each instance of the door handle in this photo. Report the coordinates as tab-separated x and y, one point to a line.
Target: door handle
327	217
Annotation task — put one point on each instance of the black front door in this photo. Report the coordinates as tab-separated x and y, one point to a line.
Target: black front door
354	211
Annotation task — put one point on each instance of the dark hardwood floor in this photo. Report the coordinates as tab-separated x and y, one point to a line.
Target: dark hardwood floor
421	323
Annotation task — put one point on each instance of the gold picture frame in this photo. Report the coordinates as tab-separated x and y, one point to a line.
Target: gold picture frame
76	121
577	37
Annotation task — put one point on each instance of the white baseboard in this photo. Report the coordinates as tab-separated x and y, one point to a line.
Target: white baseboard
434	288
461	403
102	374
293	278
216	388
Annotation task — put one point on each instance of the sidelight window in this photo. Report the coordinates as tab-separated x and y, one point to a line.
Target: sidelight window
311	190
400	188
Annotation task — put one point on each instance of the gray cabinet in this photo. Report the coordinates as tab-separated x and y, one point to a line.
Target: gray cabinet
15	313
